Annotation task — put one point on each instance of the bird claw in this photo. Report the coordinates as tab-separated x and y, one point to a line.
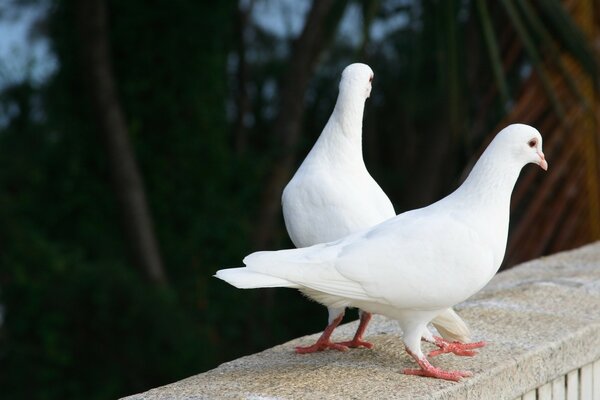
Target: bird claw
430	371
355	343
458	348
434	372
465	353
320	346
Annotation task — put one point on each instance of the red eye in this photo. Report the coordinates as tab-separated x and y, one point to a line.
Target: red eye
532	143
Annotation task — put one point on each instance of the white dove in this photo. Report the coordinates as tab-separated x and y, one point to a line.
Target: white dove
333	195
417	264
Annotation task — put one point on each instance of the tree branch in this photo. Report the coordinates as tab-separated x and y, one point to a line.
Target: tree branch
126	178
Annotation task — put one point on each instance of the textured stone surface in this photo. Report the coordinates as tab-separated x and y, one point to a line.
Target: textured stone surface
541	320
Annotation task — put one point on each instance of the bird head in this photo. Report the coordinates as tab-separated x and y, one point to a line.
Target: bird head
356	80
524	143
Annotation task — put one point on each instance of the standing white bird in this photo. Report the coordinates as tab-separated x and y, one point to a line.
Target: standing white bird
333	195
417	264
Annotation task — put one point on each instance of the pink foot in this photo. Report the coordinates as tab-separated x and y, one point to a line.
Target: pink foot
434	372
458	348
320	346
430	371
355	343
324	342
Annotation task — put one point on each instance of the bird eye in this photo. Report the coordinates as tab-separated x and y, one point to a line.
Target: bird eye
371	78
532	143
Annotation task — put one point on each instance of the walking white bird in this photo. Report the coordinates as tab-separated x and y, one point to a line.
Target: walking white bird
413	266
333	195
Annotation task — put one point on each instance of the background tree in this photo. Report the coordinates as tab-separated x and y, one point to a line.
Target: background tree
79	319
96	65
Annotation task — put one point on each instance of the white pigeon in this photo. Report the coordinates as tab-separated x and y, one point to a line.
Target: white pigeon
333	195
417	264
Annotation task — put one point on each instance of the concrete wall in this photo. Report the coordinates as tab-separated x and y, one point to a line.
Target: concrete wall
582	383
541	320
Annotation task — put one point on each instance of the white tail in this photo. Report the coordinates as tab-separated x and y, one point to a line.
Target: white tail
452	327
245	278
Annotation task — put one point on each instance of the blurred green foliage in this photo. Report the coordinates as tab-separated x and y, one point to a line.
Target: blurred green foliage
80	322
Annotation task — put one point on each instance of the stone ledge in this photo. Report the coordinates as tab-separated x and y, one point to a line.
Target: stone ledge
540	319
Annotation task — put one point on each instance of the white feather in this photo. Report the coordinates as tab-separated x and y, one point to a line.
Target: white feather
243	278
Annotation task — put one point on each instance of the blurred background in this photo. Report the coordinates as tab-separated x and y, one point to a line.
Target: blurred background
145	144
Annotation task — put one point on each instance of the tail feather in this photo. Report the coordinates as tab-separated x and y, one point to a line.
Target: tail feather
283	268
244	278
296	257
452	327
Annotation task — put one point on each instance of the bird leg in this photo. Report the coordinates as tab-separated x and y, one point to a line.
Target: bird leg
458	348
324	341
430	371
357	341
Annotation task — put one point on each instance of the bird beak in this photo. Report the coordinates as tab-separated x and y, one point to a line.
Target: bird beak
543	163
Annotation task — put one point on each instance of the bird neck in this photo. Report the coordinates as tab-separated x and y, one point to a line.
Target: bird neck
348	114
491	181
342	136
483	201
490	184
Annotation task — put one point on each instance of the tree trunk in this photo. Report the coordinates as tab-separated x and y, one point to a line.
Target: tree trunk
319	28
126	178
242	101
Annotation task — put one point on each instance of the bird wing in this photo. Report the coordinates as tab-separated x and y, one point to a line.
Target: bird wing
423	259
420	259
310	267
